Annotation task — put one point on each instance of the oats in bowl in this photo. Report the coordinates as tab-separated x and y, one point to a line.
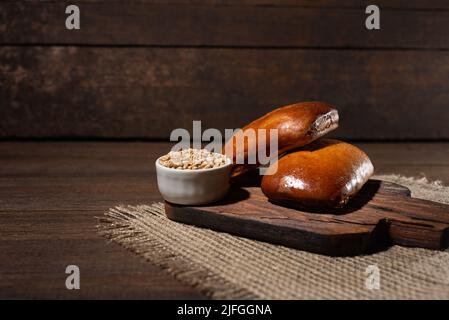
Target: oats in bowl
193	159
193	176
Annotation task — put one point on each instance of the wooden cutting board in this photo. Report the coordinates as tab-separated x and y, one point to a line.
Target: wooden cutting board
380	215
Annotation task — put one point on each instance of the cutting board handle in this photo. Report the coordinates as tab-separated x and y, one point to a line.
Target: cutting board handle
416	222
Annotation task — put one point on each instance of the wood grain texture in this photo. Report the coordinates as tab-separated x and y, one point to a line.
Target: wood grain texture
147	92
50	194
325	24
381	214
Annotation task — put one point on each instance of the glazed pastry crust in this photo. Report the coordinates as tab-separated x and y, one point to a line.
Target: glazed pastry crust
325	173
298	124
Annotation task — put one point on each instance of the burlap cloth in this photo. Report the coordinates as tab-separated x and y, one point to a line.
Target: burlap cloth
229	267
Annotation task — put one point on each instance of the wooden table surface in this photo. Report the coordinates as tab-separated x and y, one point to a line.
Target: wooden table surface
51	192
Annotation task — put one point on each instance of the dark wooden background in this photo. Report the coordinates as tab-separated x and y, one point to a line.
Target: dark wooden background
138	69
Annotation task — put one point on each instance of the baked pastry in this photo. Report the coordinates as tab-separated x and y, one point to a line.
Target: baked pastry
323	174
298	124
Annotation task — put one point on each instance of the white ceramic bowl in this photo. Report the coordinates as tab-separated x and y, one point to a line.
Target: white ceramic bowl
193	187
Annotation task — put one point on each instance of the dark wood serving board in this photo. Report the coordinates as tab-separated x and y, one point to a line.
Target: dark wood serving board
381	214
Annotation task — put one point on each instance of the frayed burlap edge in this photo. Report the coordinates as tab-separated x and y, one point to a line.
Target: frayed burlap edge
127	226
119	225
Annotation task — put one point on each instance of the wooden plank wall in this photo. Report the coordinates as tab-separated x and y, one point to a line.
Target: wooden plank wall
142	68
